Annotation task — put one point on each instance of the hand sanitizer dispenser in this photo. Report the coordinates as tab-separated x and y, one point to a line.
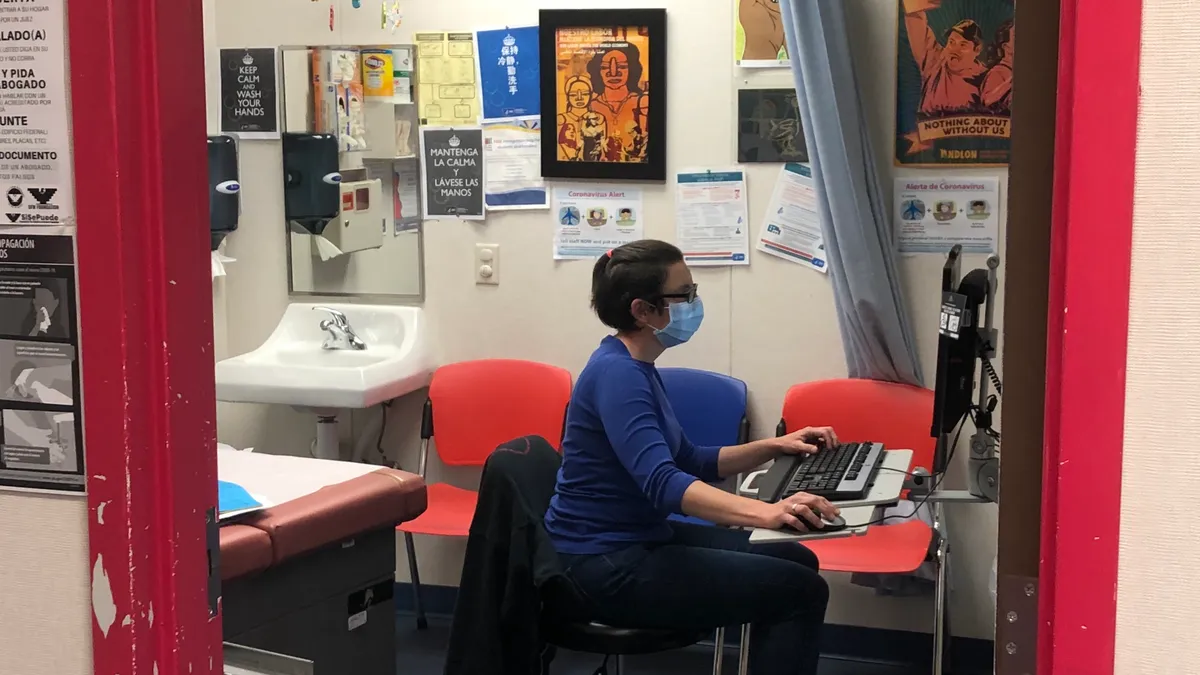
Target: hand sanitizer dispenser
311	180
223	188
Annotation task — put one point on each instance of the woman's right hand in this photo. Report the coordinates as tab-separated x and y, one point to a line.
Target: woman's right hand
799	512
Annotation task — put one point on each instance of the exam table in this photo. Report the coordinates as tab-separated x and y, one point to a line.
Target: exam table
312	575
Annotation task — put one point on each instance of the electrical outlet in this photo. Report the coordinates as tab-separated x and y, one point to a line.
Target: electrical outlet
487	264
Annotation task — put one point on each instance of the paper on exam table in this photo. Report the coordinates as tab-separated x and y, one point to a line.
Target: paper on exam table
276	479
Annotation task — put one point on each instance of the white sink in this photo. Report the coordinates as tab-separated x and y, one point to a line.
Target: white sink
291	368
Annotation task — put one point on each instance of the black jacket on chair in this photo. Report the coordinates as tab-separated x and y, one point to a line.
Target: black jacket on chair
511	568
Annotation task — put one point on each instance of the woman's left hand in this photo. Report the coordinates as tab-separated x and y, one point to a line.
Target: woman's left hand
806	440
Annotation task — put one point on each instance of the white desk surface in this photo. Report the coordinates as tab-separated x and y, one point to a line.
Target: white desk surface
275	479
889	483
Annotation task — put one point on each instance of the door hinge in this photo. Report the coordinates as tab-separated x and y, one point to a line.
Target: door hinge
213	548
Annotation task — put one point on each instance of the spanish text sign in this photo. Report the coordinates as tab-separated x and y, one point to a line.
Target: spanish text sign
35	143
452	160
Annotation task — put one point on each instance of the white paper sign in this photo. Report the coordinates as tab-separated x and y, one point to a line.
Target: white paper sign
35	141
934	214
591	220
710	217
791	228
512	151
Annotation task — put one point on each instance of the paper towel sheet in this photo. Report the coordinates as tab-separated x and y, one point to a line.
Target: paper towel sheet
325	249
219	260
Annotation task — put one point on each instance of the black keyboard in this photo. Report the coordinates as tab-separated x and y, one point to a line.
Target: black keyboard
842	473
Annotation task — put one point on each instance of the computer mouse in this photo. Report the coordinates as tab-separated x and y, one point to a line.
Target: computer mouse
832	524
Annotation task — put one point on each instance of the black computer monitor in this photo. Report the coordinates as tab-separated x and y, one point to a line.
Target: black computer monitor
958	348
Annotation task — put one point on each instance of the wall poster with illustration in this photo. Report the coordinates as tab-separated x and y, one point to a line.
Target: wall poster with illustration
598	118
769	126
758	40
954	82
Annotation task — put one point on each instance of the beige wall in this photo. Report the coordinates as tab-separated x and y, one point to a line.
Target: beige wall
1158	590
771	324
45	595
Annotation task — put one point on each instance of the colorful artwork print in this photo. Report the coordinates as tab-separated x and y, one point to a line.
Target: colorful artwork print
758	40
954	82
603	94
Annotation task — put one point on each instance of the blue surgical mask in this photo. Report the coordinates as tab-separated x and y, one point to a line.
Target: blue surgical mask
686	318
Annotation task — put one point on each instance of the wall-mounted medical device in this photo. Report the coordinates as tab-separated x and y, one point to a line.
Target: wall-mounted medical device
360	222
224	204
312	194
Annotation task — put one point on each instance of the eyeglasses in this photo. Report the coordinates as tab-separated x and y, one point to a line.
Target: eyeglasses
687	296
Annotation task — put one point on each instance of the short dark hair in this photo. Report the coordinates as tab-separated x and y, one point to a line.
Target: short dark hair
969	30
637	270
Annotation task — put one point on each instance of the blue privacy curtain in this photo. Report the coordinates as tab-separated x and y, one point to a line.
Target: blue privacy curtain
872	315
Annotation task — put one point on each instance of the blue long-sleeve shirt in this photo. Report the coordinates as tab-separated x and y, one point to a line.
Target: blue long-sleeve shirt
626	462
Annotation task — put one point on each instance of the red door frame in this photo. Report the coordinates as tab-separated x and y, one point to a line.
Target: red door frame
146	333
1098	92
137	82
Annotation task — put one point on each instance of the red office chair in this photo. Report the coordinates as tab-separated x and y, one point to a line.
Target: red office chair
473	407
899	416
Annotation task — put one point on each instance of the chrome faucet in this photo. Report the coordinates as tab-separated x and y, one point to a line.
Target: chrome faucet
341	335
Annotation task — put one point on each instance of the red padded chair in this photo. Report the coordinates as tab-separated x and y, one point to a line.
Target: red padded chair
899	416
473	407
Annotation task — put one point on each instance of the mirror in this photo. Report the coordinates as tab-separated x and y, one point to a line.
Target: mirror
364	96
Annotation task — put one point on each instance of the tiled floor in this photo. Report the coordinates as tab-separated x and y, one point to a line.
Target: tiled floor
423	653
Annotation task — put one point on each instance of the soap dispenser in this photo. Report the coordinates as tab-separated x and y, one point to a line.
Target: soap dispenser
223	188
311	181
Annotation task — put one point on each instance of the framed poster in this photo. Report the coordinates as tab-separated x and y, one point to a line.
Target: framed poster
954	81
597	68
769	127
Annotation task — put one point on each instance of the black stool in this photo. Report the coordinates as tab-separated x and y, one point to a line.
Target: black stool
597	638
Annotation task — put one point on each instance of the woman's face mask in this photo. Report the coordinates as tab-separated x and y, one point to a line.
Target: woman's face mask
686	318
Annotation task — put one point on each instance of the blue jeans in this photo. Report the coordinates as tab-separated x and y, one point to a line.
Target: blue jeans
707	577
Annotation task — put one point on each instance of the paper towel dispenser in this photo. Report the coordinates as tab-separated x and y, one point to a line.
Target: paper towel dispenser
223	188
311	182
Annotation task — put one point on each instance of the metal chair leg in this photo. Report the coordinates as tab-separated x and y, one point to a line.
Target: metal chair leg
620	663
719	651
744	651
418	606
941	599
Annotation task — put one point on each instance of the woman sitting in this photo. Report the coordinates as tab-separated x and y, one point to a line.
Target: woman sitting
627	466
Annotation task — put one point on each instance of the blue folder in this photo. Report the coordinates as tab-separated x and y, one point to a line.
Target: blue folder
233	497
